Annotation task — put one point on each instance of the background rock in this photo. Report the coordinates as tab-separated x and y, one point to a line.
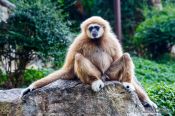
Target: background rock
71	98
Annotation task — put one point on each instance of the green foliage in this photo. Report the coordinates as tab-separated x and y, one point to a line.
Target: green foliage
36	28
3	78
168	2
163	95
50	34
156	34
132	16
150	71
30	75
159	81
131	13
104	9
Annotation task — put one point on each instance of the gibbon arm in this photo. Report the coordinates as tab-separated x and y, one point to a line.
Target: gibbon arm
116	48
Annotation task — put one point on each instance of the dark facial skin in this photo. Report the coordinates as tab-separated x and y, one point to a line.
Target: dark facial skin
94	30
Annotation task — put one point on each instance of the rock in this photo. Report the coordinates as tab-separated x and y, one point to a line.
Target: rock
10	104
71	98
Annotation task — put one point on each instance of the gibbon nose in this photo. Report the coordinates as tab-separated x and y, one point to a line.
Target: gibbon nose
94	34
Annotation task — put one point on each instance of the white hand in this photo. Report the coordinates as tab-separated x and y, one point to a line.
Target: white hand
97	85
27	90
151	103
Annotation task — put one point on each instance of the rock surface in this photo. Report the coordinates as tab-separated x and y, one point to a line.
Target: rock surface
71	98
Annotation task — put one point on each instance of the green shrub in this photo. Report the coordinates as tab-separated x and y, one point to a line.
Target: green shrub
31	75
163	95
156	34
36	28
3	79
149	71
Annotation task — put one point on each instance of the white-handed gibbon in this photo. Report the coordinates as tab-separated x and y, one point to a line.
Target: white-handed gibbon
95	54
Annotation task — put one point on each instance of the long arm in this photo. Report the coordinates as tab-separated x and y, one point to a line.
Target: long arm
116	47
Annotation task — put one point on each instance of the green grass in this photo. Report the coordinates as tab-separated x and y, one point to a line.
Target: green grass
159	81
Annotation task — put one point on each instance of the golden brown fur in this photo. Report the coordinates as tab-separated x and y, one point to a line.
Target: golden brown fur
91	60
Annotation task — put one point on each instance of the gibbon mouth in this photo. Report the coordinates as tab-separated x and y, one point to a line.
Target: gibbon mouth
94	35
96	38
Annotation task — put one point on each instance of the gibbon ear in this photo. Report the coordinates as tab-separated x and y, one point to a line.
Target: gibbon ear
83	27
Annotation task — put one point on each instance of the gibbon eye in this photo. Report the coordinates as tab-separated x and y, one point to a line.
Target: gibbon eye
90	28
97	27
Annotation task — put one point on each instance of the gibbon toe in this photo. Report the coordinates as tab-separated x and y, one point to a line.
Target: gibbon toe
128	86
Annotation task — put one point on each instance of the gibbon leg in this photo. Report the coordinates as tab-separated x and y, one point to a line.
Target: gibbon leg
123	70
87	72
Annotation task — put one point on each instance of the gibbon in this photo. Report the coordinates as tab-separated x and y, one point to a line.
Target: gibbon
96	55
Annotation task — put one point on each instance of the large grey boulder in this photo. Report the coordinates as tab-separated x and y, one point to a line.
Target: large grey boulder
71	98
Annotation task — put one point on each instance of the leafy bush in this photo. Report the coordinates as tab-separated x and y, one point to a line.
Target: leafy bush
3	78
163	95
132	15
168	2
149	71
37	28
156	34
159	81
30	75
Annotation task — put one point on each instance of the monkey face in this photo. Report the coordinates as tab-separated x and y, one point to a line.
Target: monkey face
95	31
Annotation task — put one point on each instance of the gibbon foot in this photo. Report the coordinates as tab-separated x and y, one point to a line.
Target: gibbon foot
127	57
128	86
27	90
97	85
149	103
146	103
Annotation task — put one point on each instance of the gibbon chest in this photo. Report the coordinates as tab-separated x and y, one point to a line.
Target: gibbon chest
99	57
